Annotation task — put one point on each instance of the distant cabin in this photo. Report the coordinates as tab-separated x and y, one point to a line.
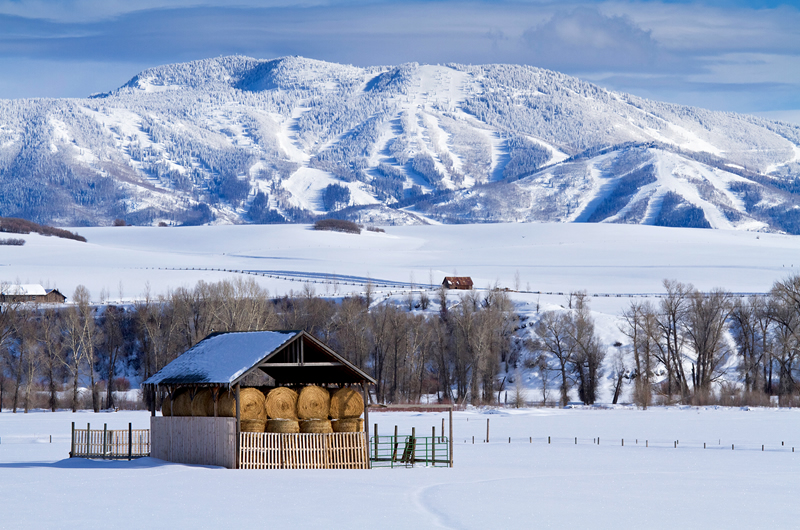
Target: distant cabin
457	282
30	293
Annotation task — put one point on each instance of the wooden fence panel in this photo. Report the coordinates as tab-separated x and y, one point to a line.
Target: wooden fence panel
303	451
110	444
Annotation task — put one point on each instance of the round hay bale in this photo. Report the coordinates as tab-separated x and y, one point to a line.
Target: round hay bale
313	403
166	406
182	404
253	425
290	426
282	404
226	404
346	403
251	407
203	403
348	425
316	426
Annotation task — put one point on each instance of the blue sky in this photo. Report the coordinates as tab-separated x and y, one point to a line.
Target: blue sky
741	56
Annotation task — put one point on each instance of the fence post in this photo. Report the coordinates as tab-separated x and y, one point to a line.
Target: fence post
376	441
451	436
433	446
88	439
130	441
413	446
487	430
72	443
394	446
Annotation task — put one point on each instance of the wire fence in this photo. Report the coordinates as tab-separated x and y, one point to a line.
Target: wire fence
719	444
341	279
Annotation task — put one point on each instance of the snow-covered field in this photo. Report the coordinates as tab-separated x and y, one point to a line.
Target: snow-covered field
495	485
549	257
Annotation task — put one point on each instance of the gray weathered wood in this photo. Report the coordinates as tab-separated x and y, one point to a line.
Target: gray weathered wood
451	436
238	422
365	395
322	364
194	440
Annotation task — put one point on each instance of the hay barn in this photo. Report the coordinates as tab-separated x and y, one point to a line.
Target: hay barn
312	415
457	282
30	293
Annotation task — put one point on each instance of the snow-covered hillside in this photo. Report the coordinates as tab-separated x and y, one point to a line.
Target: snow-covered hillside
235	139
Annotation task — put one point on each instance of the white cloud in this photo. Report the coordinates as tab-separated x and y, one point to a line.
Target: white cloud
683	52
586	39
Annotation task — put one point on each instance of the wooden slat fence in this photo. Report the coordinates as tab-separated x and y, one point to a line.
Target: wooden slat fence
303	451
110	444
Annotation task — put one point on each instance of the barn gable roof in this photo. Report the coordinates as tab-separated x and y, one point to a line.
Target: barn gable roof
30	289
290	357
458	282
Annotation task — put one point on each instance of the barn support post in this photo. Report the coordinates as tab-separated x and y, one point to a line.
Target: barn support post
365	393
214	396
153	401
238	425
451	436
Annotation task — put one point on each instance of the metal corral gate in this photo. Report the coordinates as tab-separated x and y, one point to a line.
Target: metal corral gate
407	450
339	450
110	444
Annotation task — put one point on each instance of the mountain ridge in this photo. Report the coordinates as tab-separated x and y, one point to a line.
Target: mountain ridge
236	139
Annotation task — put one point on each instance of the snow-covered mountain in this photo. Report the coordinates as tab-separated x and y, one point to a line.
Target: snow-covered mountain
236	139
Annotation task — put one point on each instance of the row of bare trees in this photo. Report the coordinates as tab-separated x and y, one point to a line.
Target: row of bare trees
408	353
57	351
566	343
685	348
455	353
688	345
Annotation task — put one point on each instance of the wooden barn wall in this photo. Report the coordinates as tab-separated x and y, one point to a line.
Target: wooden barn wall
194	440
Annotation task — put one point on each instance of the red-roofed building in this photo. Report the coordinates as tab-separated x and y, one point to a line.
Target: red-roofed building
457	282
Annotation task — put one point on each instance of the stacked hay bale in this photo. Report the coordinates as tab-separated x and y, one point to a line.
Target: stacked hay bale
203	403
281	409
181	404
252	408
313	407
347	405
166	406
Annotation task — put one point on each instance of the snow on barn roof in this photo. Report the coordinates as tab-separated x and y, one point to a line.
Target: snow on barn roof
288	356
221	358
30	289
